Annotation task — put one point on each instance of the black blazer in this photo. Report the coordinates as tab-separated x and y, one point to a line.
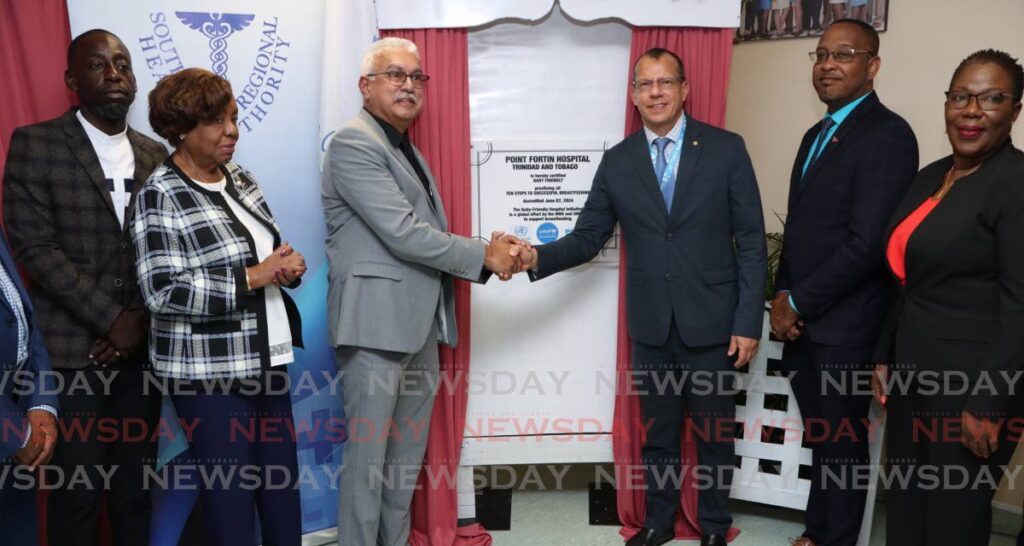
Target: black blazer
705	263
64	232
831	260
962	308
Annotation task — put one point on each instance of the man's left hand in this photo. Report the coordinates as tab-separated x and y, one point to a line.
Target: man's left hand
980	435
39	449
783	318
128	333
744	348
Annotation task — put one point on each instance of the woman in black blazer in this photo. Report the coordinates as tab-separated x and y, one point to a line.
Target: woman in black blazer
952	345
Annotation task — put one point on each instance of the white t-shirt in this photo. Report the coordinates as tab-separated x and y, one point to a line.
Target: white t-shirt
279	334
117	161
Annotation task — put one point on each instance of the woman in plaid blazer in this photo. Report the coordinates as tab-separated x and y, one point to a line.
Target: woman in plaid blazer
211	266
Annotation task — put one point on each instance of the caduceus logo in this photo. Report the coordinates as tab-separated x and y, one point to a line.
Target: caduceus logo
217	27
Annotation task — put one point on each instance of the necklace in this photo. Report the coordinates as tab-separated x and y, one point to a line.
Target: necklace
948	181
194	172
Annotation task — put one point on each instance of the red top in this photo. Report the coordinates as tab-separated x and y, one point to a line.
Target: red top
896	252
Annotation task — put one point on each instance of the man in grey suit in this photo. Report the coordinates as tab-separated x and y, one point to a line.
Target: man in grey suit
390	296
685	197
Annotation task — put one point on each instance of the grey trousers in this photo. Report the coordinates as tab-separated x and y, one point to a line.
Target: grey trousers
388	399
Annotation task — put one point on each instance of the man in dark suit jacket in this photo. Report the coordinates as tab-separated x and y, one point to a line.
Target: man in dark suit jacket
28	404
68	186
850	172
685	196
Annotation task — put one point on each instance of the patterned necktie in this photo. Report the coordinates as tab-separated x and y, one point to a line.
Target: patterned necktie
826	124
667	186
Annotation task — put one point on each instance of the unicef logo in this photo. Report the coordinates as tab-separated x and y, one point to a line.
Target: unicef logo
547	232
255	90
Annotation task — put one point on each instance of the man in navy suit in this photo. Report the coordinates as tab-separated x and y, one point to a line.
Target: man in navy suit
685	197
28	404
832	287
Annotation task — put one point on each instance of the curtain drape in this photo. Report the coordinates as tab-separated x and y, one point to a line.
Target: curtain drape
34	38
441	132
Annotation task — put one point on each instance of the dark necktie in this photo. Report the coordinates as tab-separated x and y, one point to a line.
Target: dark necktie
406	149
826	125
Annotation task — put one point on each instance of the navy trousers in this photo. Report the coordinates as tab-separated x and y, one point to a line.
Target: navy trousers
243	439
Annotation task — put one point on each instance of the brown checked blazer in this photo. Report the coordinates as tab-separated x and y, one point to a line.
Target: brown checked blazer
62	227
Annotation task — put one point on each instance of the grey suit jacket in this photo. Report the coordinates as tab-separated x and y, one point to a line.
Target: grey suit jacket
391	257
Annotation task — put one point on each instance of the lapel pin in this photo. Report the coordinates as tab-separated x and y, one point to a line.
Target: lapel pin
835	140
695	143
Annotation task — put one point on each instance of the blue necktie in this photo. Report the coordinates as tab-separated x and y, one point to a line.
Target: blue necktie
667	186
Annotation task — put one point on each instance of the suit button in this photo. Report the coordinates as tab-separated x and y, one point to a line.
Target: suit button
124	245
668	277
118	283
10	322
669	236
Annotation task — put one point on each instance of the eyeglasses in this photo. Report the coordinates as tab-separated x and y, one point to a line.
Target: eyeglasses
843	56
990	100
645	86
397	77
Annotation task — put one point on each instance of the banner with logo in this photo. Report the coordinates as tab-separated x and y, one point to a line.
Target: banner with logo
473	13
350	26
273	55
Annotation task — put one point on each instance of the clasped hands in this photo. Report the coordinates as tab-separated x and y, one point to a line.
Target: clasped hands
507	255
785	322
282	268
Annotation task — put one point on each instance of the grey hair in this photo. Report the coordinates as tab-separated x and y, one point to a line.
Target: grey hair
384	44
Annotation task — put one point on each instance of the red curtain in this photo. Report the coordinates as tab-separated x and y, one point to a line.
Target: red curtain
34	38
706	55
441	132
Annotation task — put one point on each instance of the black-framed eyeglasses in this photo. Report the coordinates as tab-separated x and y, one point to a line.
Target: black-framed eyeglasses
844	55
645	86
397	77
989	100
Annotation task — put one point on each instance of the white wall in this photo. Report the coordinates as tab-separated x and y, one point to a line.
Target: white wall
772	103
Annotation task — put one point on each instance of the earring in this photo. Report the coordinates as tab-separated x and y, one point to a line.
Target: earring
181	138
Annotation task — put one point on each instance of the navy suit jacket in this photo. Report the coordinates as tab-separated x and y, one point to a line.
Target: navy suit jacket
704	264
831	259
37	389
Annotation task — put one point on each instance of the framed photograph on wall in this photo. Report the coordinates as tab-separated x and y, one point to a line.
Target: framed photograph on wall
776	19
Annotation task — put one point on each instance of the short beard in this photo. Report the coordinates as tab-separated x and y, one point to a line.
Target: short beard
111	111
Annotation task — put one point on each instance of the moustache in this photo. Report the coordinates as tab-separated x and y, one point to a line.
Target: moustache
406	96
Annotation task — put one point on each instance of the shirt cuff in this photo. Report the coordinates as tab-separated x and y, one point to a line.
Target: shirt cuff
50	409
28	434
793	305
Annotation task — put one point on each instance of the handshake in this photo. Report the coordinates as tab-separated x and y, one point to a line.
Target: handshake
507	255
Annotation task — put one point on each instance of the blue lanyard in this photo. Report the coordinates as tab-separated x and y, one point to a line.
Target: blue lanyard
673	161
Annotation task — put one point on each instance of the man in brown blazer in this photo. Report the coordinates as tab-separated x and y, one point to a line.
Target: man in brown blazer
69	184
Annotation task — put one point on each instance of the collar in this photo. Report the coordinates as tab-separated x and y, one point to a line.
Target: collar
94	133
841	114
674	134
394	137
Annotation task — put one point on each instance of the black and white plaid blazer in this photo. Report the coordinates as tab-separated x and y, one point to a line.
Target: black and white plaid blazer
63	230
192	252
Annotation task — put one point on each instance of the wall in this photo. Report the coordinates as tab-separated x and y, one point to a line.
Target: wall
772	103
